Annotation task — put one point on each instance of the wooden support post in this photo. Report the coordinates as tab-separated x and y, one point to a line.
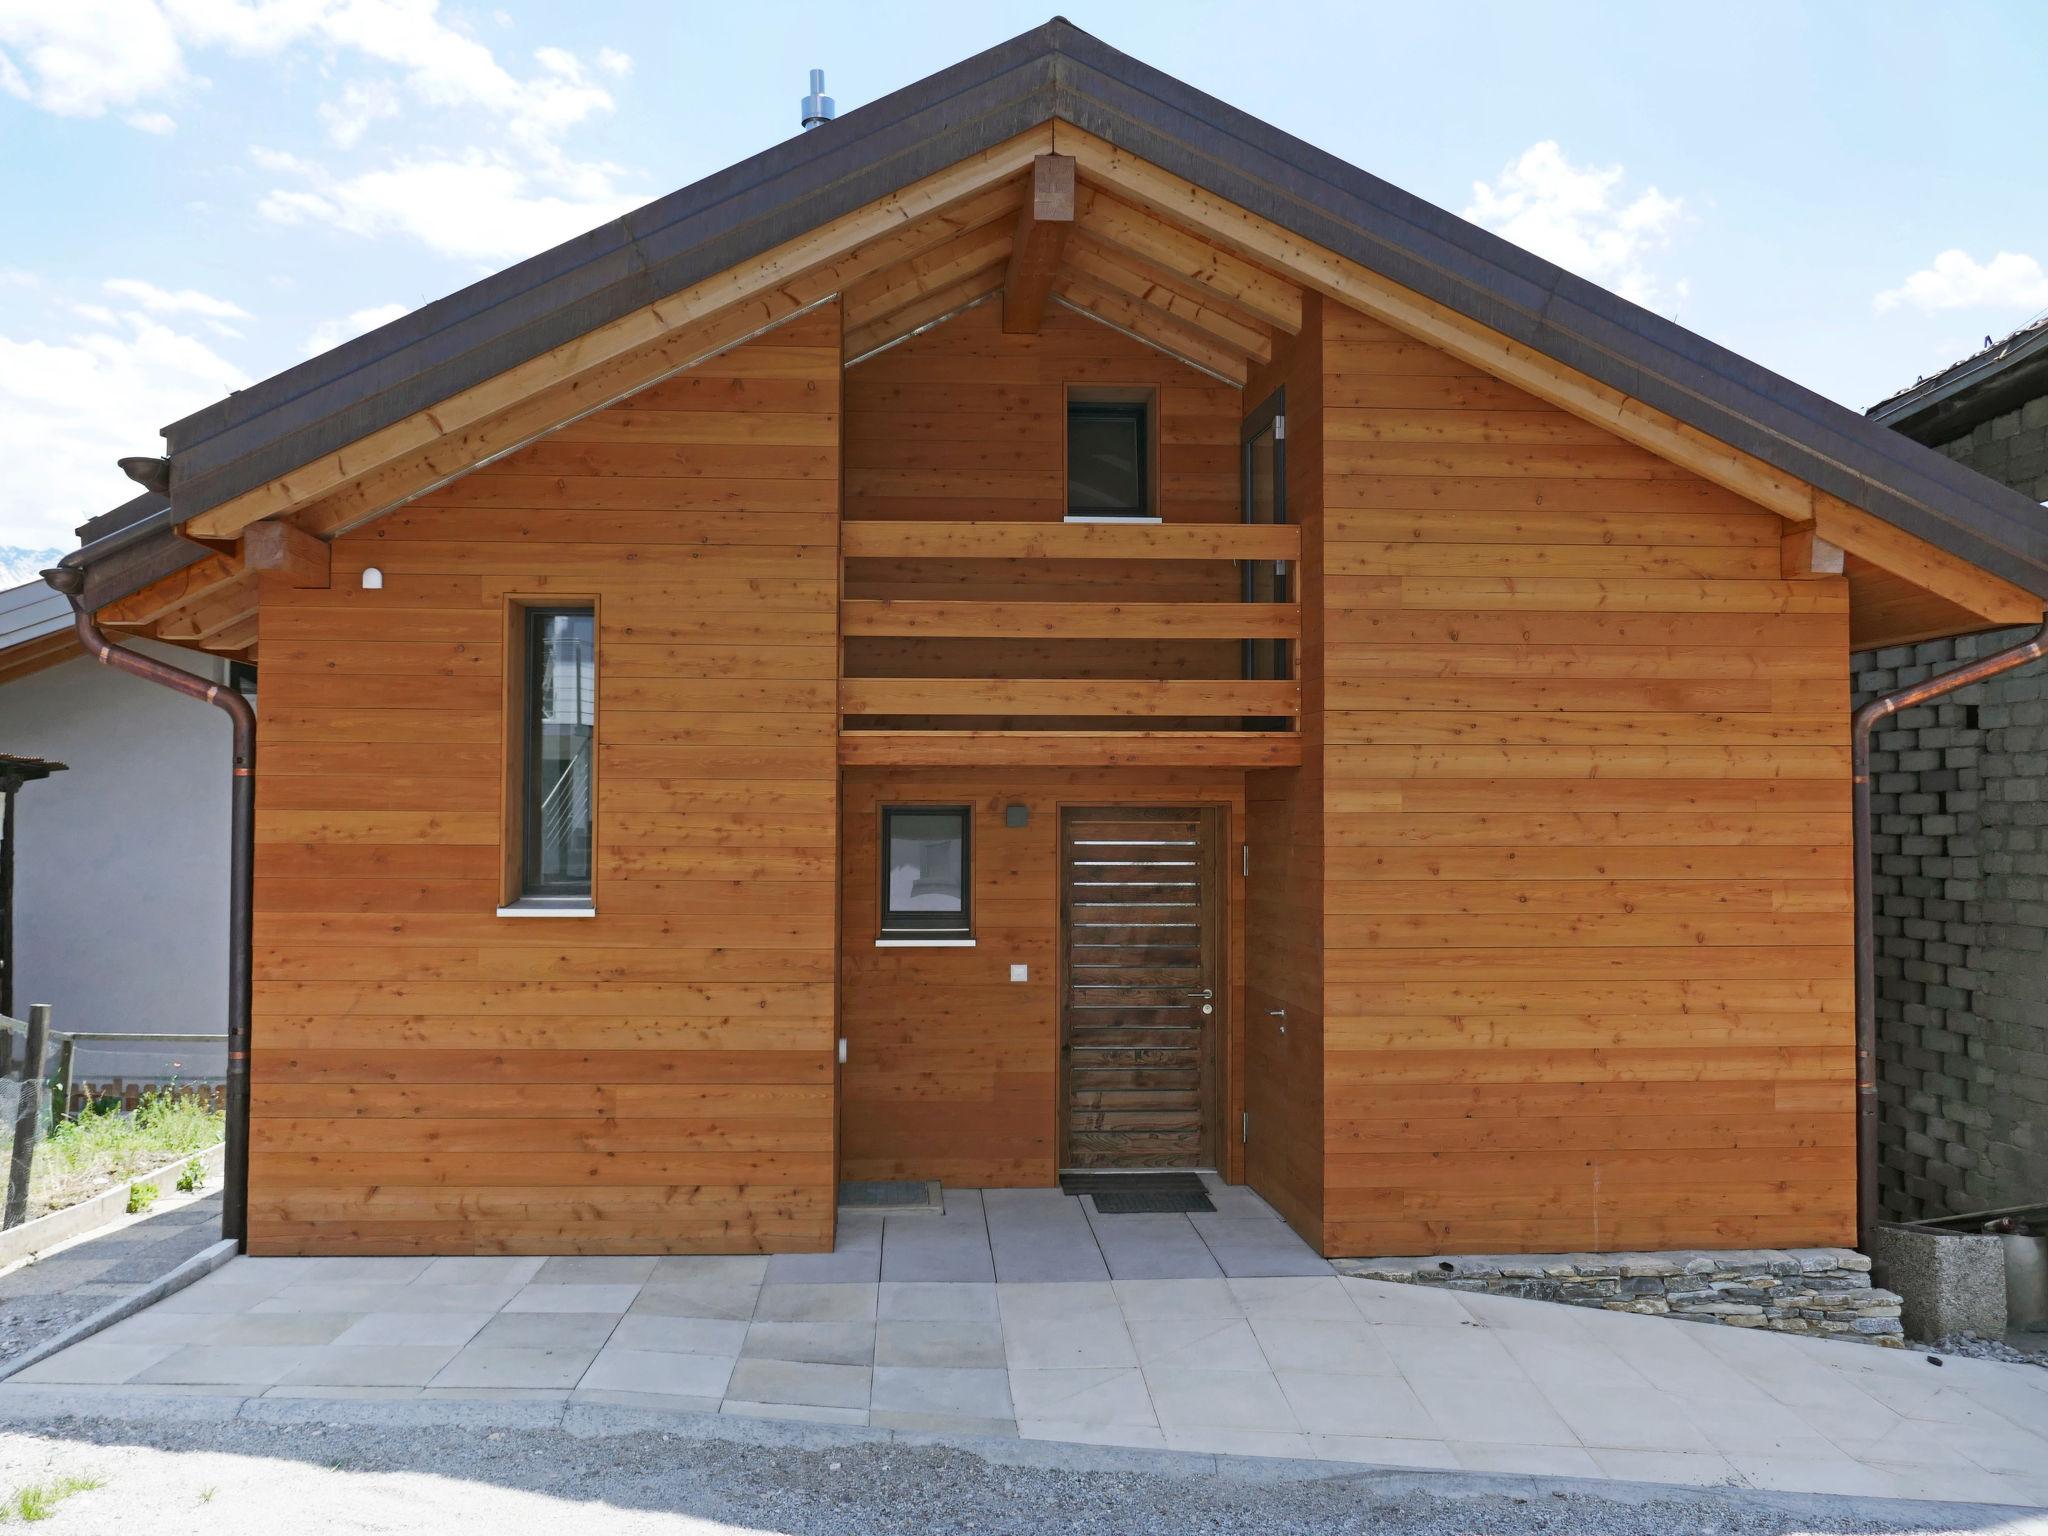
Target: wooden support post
1802	552
27	1106
1042	226
67	1063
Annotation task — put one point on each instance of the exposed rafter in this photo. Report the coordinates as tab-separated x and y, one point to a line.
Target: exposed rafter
1043	224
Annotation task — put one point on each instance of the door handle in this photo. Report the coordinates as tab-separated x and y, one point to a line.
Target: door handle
1206	992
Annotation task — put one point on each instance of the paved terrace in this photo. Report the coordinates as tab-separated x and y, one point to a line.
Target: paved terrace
1023	1313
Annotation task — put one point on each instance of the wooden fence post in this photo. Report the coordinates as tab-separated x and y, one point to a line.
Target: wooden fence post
67	1056
27	1106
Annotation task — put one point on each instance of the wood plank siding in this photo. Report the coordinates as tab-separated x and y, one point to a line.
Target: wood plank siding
431	1078
952	1069
966	424
1584	844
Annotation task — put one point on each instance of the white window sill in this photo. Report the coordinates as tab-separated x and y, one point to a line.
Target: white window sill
1082	517
548	906
924	943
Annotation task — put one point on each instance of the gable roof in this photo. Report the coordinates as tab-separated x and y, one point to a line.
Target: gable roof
1059	72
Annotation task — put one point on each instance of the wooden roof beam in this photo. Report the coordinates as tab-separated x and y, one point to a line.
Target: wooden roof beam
174	591
210	617
616	359
294	554
1147	283
1043	224
1154	326
1272	298
864	341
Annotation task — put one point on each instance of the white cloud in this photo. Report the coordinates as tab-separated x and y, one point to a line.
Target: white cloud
480	207
81	58
70	406
1576	216
163	301
1955	280
332	333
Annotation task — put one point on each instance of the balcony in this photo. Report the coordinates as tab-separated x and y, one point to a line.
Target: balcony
973	642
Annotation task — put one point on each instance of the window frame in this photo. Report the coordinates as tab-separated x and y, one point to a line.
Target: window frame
1140	410
937	927
529	887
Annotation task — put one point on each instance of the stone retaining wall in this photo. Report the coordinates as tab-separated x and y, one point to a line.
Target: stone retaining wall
1821	1292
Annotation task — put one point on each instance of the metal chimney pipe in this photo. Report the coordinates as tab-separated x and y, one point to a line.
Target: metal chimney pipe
817	107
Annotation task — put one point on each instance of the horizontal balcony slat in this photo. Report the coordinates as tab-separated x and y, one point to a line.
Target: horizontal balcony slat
964	540
1072	621
1064	696
1076	749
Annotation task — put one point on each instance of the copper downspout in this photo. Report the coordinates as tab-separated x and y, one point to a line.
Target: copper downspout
1880	708
234	1213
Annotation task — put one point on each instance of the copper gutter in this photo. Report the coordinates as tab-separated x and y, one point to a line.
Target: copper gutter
234	1215
1882	708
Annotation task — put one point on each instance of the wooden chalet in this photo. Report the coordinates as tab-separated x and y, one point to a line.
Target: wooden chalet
1047	624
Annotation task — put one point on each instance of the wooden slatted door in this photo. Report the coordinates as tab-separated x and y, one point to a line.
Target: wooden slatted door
1141	999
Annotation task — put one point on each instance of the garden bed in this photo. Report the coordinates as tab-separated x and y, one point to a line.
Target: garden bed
102	1149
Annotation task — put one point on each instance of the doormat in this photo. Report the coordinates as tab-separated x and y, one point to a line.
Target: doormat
890	1195
1140	1194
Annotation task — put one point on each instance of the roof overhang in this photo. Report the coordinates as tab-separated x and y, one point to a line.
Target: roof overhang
1339	225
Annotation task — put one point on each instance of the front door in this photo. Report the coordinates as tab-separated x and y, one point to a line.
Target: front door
1140	987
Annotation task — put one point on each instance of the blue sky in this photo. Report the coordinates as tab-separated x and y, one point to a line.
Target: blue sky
201	192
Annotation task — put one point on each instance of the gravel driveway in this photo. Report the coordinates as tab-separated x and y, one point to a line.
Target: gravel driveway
235	1476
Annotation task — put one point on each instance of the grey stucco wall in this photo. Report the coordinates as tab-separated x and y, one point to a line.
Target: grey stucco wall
121	873
1960	797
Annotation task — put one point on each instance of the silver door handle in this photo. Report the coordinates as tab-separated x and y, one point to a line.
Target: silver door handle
1276	1013
1205	992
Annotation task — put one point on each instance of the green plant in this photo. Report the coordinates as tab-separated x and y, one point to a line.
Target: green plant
105	1146
141	1197
193	1176
39	1501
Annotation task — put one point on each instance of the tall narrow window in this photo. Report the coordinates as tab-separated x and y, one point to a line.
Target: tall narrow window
560	710
1109	454
927	872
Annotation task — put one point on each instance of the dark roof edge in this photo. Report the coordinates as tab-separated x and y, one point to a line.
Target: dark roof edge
1058	70
129	547
1531	300
639	259
1943	408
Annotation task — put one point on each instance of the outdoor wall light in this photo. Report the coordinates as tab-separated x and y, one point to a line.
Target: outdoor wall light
373	579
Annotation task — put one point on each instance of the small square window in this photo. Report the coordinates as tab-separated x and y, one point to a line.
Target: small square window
1109	450
927	871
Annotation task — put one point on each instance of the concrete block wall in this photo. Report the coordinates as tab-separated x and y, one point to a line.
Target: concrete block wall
1960	801
2012	448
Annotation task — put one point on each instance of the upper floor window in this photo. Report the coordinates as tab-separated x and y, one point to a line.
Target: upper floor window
557	771
1109	458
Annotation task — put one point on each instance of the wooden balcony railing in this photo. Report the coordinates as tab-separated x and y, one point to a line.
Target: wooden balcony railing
1157	720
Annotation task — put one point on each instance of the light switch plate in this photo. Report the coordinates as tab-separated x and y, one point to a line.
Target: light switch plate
1020	973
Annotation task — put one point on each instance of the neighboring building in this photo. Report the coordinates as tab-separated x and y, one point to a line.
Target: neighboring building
1042	624
120	881
1962	850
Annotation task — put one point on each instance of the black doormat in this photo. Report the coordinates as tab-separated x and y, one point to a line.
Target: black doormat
1140	1194
1146	1202
889	1194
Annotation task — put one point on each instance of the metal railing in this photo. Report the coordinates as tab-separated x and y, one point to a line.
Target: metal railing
28	1070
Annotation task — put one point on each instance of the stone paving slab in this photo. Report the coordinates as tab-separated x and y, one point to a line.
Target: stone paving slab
1288	1368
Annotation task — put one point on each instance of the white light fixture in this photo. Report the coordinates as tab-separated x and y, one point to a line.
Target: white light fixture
373	579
